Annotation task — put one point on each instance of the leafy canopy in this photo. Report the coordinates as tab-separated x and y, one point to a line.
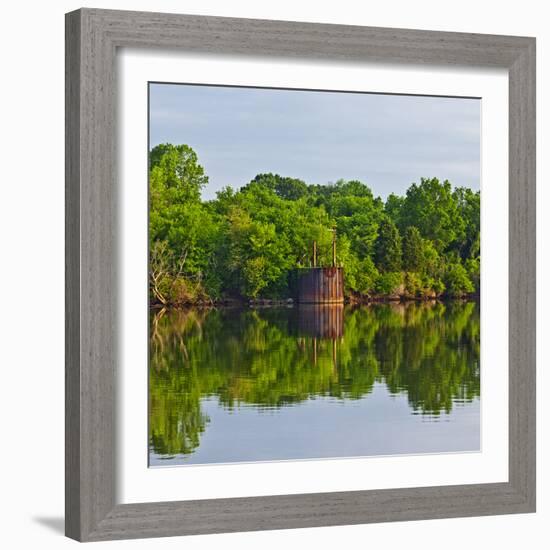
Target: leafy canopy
246	242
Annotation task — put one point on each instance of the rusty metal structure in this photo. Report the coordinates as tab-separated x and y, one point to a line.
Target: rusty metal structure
321	285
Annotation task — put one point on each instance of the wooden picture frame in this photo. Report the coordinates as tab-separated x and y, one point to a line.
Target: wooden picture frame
92	39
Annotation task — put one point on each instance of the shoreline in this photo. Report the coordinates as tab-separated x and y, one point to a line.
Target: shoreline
290	303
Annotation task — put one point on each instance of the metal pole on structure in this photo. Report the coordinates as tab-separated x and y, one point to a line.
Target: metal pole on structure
334	247
314	253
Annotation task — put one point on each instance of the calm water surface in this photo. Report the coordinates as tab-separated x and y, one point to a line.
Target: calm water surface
236	385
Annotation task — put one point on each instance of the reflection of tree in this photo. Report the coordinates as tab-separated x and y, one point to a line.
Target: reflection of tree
265	359
175	420
433	356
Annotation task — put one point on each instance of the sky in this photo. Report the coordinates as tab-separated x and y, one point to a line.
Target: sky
385	141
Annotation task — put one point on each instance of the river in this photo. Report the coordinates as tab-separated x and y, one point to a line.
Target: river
310	382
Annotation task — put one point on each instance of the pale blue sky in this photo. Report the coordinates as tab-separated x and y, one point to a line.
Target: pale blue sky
385	141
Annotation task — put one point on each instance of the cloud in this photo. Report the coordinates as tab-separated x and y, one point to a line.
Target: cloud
387	141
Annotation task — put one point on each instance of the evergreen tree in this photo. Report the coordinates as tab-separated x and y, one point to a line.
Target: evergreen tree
388	247
413	249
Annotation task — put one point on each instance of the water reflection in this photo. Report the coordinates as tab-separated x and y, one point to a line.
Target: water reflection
220	371
319	321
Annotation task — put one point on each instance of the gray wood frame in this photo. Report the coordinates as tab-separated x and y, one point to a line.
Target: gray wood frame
92	38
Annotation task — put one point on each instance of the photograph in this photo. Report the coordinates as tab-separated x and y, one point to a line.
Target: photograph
314	274
272	282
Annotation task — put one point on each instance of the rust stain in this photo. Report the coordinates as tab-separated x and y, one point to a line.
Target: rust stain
321	285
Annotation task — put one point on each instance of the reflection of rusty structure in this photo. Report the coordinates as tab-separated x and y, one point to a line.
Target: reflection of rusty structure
321	321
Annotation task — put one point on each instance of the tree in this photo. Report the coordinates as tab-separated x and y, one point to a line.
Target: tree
159	272
259	257
473	268
246	242
388	247
189	228
175	168
413	249
393	207
433	209
283	187
468	203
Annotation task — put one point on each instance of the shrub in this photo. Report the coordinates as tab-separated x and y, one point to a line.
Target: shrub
472	267
438	286
413	284
182	292
388	283
456	280
366	276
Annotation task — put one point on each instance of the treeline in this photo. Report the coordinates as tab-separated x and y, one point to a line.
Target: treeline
244	243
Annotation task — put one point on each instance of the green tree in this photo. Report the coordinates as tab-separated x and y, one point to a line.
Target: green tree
432	208
473	268
246	242
393	207
284	187
468	203
176	168
388	247
413	250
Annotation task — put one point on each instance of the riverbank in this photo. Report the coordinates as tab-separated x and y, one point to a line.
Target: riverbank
290	302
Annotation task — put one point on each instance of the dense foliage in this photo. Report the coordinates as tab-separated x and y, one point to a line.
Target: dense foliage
245	243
